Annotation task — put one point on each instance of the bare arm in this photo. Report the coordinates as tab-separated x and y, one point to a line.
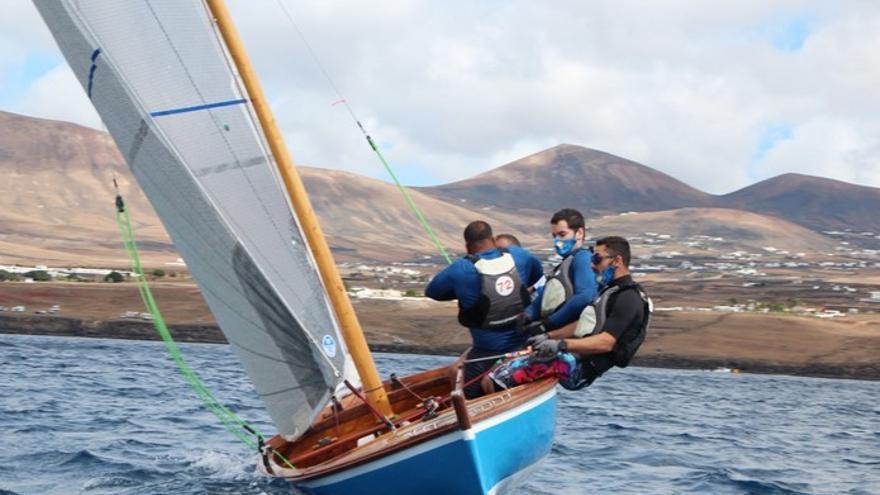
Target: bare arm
625	311
565	332
600	343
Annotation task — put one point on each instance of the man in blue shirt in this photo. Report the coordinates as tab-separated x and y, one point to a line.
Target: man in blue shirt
490	285
507	240
572	285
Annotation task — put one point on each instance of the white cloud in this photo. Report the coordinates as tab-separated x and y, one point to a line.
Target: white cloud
57	95
684	87
22	37
827	147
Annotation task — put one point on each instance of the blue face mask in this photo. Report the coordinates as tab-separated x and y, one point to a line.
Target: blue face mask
564	247
605	278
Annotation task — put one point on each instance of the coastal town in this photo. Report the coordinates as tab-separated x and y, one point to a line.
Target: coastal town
730	278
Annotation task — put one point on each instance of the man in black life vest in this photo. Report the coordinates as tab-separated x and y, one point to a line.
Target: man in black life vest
490	286
623	312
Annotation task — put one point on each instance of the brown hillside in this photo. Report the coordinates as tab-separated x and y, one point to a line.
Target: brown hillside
815	202
56	196
601	183
372	217
56	204
742	229
567	175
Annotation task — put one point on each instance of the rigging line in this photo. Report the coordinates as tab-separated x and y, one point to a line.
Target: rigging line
381	417
403	190
247	177
224	216
227	418
506	356
124	222
184	197
309	310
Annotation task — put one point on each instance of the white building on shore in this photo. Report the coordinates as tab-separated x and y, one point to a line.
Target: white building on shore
64	272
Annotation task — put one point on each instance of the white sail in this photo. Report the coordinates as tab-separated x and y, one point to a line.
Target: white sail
159	76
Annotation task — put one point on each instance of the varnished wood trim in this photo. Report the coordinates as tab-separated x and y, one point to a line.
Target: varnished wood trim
479	409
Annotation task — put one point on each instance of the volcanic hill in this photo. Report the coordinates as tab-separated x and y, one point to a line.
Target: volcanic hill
814	202
573	176
56	203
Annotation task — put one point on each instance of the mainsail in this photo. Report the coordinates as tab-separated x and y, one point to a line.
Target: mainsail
160	78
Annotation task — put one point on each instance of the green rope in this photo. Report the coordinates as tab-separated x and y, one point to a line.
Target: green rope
232	422
342	100
409	200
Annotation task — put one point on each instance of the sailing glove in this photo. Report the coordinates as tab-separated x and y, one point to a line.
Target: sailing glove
548	349
535	328
537	339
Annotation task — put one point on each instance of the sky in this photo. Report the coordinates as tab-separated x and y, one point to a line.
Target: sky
719	95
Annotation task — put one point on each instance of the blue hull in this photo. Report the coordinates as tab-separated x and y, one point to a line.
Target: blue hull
484	459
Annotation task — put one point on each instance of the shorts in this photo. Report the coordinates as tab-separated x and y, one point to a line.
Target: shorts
472	371
573	373
527	369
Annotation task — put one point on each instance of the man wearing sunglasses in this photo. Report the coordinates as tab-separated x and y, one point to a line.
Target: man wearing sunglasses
623	313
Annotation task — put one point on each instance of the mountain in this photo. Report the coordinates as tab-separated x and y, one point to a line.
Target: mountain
56	203
371	219
56	196
815	202
600	183
567	175
739	229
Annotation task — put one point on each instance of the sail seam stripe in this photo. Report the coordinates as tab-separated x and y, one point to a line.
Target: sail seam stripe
160	135
226	217
270	158
92	70
244	173
196	108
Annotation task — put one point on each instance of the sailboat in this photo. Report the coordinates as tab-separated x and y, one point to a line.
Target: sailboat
174	87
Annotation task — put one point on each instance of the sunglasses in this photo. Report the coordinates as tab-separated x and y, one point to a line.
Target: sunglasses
597	258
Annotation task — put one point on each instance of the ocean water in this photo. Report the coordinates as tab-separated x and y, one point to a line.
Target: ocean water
105	416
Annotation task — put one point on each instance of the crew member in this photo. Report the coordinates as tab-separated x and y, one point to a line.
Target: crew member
623	313
572	285
490	286
507	240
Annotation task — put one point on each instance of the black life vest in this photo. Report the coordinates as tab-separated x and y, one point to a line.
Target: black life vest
502	294
628	344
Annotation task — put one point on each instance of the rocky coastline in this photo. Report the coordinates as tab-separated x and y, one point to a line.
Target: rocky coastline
60	326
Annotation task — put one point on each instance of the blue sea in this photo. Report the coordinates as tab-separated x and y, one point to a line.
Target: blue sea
113	416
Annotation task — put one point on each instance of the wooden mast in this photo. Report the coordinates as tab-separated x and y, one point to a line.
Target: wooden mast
351	328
